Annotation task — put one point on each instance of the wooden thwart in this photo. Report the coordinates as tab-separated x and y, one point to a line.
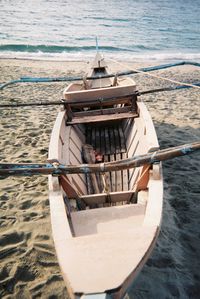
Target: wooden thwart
103	198
80	103
101	109
100	118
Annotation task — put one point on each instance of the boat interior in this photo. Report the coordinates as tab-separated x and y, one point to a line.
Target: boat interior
96	216
118	197
104	125
106	142
106	130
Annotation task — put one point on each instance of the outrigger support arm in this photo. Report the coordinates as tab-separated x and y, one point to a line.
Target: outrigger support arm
165	89
54	168
63	102
125	73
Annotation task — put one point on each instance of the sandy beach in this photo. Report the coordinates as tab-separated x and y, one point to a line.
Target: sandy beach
28	263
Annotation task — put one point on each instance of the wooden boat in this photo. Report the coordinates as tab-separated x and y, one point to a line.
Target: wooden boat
104	225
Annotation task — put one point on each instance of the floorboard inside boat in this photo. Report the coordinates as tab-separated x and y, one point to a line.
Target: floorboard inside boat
109	141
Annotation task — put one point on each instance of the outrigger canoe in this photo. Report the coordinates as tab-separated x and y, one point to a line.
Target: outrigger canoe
105	178
104	225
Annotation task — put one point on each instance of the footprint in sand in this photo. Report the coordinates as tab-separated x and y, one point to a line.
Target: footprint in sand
13	237
26	205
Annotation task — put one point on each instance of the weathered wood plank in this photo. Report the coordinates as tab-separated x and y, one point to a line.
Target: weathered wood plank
124	175
88	134
93	140
117	141
112	141
118	175
127	126
107	141
107	175
112	175
89	157
102	111
130	138
144	178
134	178
68	187
80	131
79	178
100	118
75	156
98	140
76	151
76	139
75	182
122	140
102	136
134	147
93	102
101	198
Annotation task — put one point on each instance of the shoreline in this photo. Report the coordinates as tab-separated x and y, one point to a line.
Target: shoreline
154	57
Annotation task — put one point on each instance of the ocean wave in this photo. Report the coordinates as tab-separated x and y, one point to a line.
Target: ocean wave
79	53
169	56
55	48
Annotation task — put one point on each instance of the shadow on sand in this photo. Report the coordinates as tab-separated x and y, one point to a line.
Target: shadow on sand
173	269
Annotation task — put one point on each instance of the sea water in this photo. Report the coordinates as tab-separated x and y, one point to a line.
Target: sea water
128	29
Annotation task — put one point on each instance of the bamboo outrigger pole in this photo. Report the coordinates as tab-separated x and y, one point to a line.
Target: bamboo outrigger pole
62	102
54	168
69	79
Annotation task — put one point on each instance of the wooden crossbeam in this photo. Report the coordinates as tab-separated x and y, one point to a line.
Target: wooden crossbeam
102	198
102	111
80	103
100	118
99	107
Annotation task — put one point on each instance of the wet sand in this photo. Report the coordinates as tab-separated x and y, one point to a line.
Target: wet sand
28	264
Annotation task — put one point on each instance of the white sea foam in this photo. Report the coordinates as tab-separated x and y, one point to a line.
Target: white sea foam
82	56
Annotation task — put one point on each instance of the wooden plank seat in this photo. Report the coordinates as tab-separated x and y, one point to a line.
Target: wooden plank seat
104	198
101	109
101	101
100	118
